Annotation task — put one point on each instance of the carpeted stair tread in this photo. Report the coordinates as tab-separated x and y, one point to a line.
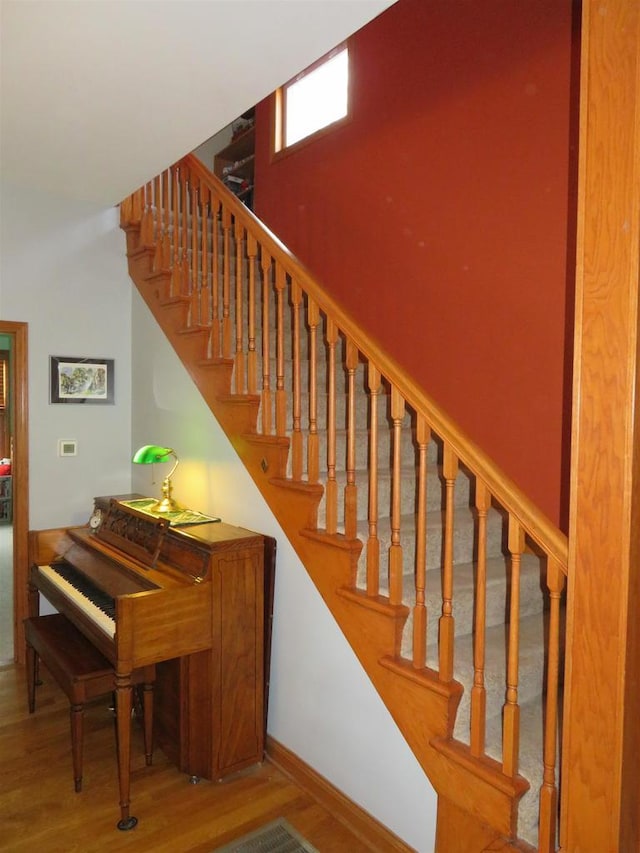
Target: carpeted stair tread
408	498
463	539
362	440
464	584
531	668
530	766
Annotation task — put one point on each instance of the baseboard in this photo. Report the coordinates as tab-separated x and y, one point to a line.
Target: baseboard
359	821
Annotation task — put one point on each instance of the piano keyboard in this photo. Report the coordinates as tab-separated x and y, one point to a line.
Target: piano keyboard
88	597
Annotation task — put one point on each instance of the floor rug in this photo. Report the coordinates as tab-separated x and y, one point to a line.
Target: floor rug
275	837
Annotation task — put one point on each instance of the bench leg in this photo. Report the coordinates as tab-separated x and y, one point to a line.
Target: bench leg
147	701
77	714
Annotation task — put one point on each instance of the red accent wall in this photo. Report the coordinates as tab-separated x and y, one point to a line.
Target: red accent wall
439	215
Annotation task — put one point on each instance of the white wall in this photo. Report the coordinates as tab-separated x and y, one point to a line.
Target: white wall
63	271
322	705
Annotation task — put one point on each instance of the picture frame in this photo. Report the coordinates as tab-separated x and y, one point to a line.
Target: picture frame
81	380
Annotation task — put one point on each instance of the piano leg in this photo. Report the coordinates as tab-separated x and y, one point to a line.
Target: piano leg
123	729
147	700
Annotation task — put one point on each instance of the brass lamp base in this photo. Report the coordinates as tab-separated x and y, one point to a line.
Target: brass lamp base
166	502
166	506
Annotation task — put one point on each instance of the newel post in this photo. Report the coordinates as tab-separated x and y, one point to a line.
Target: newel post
601	744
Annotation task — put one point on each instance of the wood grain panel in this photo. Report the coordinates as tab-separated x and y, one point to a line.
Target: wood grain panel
604	531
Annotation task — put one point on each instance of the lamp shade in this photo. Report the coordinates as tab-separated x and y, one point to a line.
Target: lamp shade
152	453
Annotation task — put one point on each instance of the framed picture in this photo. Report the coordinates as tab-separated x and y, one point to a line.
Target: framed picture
81	380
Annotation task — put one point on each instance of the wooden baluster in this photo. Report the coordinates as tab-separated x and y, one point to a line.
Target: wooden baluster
226	283
201	235
166	201
395	550
281	394
331	491
266	344
126	208
184	222
350	490
165	249
296	435
205	283
196	283
126	211
157	255
137	206
175	242
216	320
165	260
146	225
549	787
240	365
163	256
373	542
252	358
176	238
149	196
132	207
158	224
203	262
313	447
145	205
185	276
478	691
447	624
511	709
158	207
420	615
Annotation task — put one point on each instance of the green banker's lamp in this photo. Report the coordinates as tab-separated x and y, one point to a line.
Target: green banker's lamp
149	454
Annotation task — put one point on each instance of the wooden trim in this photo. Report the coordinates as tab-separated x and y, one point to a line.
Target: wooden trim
600	770
20	470
359	821
460	832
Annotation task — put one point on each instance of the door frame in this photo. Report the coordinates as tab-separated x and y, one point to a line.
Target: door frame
18	332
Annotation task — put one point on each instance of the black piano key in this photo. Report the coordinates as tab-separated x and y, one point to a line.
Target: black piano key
86	587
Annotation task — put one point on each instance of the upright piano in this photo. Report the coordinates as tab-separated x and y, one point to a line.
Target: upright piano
195	601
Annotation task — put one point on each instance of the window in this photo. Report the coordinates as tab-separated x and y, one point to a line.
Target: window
314	99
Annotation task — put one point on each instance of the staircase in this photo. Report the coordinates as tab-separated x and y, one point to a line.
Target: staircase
444	578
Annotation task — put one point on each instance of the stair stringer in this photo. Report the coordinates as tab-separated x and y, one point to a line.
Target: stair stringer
422	706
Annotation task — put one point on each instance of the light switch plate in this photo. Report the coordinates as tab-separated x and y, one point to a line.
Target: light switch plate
67	447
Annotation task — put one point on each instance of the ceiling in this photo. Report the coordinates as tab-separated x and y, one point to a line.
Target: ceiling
98	96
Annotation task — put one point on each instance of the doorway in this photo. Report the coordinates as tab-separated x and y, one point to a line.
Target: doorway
14	489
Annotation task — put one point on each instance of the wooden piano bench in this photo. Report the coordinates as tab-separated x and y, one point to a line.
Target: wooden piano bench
82	672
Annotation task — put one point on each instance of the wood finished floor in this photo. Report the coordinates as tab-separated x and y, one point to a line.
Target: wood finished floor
40	812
